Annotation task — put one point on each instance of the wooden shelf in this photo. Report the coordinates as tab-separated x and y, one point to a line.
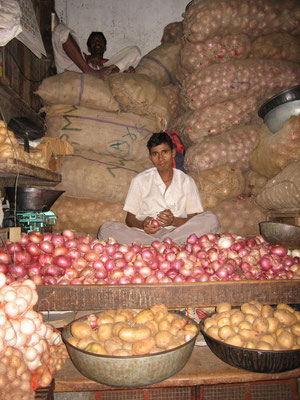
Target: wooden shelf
203	368
173	295
9	168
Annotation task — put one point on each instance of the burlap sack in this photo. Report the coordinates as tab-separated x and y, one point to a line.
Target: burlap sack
171	91
88	175
254	182
283	191
216	119
218	184
160	64
230	148
89	214
137	93
239	215
119	134
277	46
79	89
173	33
273	152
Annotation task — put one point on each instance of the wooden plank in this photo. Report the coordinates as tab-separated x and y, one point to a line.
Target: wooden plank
174	295
10	167
202	368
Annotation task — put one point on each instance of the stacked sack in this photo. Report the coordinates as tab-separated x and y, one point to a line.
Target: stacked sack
108	123
226	71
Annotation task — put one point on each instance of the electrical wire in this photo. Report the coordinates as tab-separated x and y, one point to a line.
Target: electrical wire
21	72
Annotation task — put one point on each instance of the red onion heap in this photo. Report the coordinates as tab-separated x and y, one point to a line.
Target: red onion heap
65	259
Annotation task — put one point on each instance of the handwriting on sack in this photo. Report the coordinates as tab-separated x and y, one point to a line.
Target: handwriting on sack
124	146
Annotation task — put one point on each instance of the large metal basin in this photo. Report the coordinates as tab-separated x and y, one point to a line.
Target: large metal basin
133	371
281	234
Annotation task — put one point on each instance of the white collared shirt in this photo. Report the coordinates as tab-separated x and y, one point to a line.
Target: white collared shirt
147	195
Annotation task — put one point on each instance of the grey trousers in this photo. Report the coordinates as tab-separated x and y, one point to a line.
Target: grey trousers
202	223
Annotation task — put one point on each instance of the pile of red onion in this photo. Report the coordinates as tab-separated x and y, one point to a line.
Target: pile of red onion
64	259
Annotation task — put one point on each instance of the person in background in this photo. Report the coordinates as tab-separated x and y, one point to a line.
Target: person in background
161	202
68	56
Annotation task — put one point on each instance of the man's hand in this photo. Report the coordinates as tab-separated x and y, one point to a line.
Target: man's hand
165	218
149	227
104	72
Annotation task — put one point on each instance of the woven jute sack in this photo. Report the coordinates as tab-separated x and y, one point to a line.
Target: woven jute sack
99	177
277	46
137	93
118	134
161	63
80	89
283	191
239	215
273	152
90	214
254	182
218	184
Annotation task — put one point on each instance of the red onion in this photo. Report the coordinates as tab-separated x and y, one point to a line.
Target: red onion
24	239
71	273
91	255
47	236
73	253
37	279
34	269
33	249
59	251
101	273
58	240
47	246
129	270
71	243
12	248
79	263
192	239
137	279
87	272
130	256
172	272
110	249
63	261
3	268
179	279
116	274
124	280
45	259
109	265
35	237
4	258
151	279
159	274
23	257
68	234
98	247
49	280
279	251
52	270
84	247
19	270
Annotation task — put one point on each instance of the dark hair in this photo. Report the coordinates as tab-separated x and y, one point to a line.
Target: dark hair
92	35
159	138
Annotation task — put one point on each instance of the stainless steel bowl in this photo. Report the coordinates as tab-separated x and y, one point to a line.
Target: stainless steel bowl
277	110
133	371
281	234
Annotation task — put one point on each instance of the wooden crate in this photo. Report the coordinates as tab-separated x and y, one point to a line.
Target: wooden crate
173	295
287	217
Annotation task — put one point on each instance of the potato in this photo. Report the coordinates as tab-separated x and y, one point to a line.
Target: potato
296	329
122	352
159	316
129	314
250	318
95	348
297	313
143	346
273	324
271	339
213	332
250	345
191	327
285	307
105	319
107	313
179	322
248	308
209	322
117	327
257	304
163	339
81	329
127	346
82	343
245	325
170	317
298	341
235	340
120	318
111	345
105	332
152	325
175	343
188	335
267	311
224	314
174	330
261	345
159	308
135	333
285	317
261	325
221	307
164	325
143	316
226	331
285	340
248	334
73	341
223	321
237	318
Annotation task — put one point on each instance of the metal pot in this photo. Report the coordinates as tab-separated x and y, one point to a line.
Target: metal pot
278	233
129	371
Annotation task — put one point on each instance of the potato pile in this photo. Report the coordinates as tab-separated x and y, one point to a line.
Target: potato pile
256	326
125	332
